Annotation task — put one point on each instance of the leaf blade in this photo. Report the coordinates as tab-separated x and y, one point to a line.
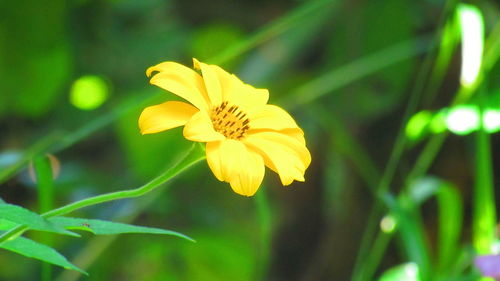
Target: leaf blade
102	227
35	250
20	215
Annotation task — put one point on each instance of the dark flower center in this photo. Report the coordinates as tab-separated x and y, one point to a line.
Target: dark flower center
229	121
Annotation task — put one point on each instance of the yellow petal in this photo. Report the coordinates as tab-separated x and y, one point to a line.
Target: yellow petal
213	158
199	128
232	161
282	153
181	81
296	133
271	117
231	88
211	80
165	116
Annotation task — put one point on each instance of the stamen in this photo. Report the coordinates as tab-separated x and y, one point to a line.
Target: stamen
230	121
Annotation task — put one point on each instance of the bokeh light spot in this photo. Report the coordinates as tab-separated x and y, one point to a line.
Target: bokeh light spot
388	224
491	120
417	124
463	119
405	272
411	270
438	122
89	92
472	30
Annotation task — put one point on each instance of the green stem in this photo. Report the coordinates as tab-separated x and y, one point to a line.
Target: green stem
357	69
94	249
360	272
492	53
36	149
277	27
44	179
45	183
484	218
265	222
193	156
387	177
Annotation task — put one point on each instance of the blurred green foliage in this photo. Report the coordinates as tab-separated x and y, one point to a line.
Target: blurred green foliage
309	231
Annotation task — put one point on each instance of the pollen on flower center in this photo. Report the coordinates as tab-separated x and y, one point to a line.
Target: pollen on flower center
229	121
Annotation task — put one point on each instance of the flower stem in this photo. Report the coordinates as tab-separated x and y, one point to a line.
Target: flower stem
193	156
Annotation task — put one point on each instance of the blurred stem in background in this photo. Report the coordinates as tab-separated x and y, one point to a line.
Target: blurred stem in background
264	216
272	30
484	211
38	148
433	146
339	77
366	264
44	176
484	218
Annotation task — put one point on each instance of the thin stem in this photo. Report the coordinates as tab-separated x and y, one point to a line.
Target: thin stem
39	147
355	70
484	218
360	272
389	173
44	179
265	222
193	156
277	27
94	249
433	146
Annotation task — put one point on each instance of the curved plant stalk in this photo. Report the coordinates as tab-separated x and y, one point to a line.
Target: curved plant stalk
193	156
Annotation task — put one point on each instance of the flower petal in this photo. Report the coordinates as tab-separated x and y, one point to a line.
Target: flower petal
199	128
181	81
249	98
231	88
296	133
211	80
271	117
233	162
282	153
164	116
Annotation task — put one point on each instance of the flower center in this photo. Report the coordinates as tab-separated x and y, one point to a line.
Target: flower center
229	121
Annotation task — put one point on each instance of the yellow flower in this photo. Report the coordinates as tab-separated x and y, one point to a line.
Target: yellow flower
241	131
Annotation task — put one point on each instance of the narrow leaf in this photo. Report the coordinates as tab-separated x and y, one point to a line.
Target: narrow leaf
450	225
101	227
35	250
6	224
34	221
450	208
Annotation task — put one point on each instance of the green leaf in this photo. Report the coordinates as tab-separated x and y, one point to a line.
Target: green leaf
450	210
450	225
403	272
6	224
412	232
35	250
101	227
34	221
